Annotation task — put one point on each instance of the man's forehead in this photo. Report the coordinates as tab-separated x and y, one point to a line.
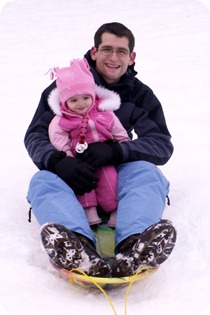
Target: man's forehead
109	39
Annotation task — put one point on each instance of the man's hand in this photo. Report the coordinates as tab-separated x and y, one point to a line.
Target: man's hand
99	154
77	174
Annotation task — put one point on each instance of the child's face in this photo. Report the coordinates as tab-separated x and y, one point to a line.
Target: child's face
79	103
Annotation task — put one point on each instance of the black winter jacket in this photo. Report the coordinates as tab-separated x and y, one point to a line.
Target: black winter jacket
140	111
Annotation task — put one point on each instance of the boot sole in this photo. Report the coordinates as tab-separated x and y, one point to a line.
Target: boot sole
66	251
158	243
62	246
152	249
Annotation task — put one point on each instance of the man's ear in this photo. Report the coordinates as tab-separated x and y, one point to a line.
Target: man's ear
93	53
132	58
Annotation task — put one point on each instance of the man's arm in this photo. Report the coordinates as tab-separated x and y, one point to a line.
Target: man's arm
36	139
153	143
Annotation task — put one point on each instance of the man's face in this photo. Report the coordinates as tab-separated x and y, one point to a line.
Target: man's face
112	57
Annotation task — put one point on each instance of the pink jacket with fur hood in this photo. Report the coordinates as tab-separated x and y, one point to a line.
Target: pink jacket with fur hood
101	123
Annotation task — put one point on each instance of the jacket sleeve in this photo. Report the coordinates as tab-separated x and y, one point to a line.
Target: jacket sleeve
36	139
59	137
118	131
146	119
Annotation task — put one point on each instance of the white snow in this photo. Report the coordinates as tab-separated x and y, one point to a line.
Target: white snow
173	58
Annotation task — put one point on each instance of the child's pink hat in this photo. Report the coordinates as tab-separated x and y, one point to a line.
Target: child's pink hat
74	80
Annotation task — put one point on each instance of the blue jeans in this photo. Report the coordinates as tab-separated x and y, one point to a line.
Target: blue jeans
142	191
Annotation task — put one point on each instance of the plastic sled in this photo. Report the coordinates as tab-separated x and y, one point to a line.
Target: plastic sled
105	247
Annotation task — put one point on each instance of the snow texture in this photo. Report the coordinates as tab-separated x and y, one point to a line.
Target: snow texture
173	58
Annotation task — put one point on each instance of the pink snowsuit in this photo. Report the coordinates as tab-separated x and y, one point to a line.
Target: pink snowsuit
101	125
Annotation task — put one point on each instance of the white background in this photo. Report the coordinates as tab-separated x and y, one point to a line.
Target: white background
173	58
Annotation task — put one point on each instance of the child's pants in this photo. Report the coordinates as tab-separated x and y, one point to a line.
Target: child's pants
105	194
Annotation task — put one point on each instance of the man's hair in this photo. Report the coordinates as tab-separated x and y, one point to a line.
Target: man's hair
117	29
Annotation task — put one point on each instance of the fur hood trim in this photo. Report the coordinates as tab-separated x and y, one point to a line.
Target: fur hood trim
109	100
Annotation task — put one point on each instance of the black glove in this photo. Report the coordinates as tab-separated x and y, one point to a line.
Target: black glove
99	154
75	173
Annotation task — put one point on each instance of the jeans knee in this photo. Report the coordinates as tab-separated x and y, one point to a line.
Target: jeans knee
141	173
42	175
131	168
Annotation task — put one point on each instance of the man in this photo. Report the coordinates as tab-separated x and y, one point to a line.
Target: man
142	238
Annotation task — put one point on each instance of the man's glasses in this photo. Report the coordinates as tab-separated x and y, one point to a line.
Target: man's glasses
108	51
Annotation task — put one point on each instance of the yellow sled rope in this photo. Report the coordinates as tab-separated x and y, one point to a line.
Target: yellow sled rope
98	282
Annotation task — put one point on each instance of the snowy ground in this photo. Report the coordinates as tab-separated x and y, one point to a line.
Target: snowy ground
173	58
